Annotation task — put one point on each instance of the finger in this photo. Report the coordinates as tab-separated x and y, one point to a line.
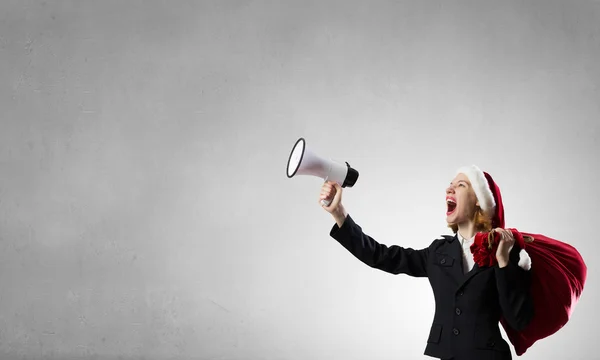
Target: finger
328	194
501	239
508	235
507	239
502	233
497	231
324	197
337	191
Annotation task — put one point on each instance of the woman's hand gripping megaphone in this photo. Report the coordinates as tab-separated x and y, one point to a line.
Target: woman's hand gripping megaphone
331	196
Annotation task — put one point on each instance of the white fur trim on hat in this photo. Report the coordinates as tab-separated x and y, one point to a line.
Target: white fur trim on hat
524	260
480	186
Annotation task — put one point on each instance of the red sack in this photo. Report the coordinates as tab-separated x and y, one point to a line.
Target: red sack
558	275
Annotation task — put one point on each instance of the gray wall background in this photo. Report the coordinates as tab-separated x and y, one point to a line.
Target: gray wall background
144	208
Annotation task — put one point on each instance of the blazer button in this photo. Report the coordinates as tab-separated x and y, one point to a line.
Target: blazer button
455	331
461	293
458	311
443	261
491	343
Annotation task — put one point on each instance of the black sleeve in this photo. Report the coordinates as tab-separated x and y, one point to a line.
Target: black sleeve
514	293
392	259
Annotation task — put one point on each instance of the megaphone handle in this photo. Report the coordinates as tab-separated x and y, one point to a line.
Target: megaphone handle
326	202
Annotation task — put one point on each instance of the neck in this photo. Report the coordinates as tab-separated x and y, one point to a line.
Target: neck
466	230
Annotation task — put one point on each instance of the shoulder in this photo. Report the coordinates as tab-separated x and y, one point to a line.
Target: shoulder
441	241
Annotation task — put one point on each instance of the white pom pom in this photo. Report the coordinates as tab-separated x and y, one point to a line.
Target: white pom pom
524	260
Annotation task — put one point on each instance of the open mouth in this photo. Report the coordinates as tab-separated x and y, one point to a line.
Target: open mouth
451	206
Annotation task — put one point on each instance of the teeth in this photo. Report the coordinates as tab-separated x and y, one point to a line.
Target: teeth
450	201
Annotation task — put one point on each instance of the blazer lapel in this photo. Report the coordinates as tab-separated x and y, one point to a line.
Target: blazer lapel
474	271
456	270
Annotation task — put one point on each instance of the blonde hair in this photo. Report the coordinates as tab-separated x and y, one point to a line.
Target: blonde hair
483	222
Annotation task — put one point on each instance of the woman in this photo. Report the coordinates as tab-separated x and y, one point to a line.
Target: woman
470	300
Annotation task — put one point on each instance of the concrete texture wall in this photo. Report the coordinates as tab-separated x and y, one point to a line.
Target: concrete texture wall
144	209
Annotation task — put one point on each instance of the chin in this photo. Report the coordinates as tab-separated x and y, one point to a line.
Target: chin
451	218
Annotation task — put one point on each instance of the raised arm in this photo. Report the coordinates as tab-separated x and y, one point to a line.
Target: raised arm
393	259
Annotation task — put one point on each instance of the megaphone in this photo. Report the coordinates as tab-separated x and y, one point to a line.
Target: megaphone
302	161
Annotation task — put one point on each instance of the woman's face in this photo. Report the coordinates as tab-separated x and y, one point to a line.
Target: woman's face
460	201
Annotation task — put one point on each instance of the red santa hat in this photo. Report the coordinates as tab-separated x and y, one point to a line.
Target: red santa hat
490	201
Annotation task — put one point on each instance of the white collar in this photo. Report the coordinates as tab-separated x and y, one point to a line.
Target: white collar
464	241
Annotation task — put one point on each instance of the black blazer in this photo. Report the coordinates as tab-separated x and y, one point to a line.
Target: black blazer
468	306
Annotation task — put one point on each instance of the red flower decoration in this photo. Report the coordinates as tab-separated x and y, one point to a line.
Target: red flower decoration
484	249
485	246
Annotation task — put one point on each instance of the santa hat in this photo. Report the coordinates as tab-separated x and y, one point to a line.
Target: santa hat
490	201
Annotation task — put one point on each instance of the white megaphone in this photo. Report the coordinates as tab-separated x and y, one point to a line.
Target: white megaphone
302	161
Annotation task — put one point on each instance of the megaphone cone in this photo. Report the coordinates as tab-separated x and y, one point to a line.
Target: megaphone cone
302	161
